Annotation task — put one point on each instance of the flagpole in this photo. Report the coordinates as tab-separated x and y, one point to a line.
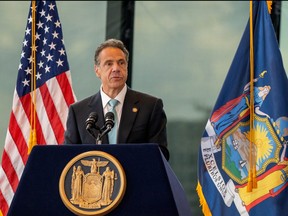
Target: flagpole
251	182
33	139
252	175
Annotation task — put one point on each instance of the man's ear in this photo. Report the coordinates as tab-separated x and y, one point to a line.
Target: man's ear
96	69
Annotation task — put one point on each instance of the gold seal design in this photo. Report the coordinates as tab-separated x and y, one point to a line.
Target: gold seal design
92	183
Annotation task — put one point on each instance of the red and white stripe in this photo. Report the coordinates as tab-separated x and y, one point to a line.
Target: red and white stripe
52	103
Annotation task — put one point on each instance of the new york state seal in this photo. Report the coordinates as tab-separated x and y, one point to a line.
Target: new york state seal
92	183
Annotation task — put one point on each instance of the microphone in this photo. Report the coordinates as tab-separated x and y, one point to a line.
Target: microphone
109	120
91	121
108	125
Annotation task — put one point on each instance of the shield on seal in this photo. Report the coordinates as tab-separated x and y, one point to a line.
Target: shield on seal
92	187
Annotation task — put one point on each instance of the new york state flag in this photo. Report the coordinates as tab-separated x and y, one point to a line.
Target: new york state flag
242	162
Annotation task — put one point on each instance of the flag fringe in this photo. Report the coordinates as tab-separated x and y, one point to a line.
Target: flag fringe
269	6
205	208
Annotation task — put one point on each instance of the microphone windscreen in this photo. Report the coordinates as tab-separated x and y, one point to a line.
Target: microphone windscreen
109	115
109	119
92	119
94	115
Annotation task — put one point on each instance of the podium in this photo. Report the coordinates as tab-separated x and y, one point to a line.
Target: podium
152	187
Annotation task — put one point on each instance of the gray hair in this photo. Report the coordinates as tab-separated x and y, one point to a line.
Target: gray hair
110	43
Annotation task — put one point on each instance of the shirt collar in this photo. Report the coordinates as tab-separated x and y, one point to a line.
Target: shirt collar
120	97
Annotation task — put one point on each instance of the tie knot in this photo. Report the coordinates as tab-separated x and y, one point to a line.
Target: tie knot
113	102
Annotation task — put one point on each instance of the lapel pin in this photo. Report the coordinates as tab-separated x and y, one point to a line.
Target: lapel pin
134	110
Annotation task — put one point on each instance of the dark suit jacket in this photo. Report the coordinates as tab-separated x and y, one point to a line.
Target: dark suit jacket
145	125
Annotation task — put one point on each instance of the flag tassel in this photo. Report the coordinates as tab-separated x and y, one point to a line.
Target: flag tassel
252	175
33	136
32	140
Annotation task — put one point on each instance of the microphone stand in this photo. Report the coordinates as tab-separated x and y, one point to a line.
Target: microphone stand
101	134
91	126
91	132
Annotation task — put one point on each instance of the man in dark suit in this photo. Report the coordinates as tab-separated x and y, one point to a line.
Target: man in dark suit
140	117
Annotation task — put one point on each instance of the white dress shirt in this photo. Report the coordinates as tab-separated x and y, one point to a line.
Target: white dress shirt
120	97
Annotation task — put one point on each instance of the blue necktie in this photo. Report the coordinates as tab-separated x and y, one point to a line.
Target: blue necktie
113	133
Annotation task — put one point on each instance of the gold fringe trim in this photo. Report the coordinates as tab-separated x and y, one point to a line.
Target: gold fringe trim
269	5
205	208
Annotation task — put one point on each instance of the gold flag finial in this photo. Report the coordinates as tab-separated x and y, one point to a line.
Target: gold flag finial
269	5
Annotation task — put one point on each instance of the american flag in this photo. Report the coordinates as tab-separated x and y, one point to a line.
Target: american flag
44	109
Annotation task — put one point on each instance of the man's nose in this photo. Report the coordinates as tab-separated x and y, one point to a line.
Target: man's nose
116	67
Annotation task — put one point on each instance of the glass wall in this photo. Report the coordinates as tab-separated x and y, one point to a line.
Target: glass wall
284	33
84	28
182	53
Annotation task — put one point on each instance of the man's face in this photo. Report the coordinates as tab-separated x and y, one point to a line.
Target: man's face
112	69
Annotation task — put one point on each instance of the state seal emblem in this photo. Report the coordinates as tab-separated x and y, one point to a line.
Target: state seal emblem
92	183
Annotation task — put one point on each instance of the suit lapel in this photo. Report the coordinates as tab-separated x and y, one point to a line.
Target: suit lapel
129	113
95	105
